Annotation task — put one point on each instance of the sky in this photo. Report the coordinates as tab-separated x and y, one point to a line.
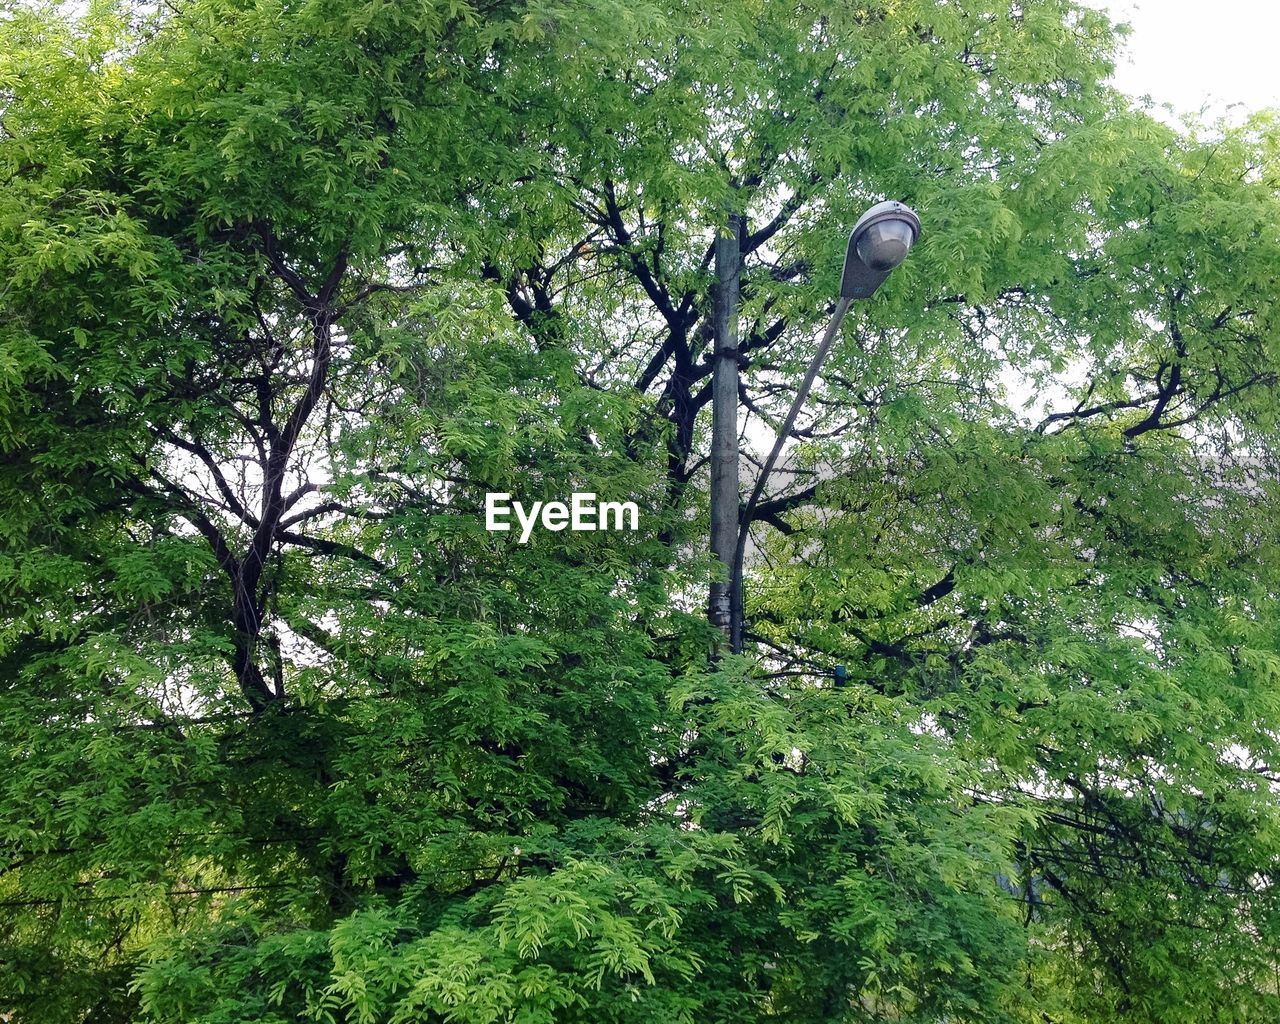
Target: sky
1191	52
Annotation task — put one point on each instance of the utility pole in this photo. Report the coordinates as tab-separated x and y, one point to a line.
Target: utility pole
725	495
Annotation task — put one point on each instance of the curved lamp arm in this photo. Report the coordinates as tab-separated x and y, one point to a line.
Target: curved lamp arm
744	527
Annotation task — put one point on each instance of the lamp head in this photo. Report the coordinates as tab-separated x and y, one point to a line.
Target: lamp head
879	242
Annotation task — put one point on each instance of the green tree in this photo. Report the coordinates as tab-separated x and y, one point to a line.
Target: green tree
289	287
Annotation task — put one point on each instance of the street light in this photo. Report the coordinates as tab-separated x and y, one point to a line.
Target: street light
878	243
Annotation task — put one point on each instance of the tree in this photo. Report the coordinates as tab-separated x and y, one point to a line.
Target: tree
292	287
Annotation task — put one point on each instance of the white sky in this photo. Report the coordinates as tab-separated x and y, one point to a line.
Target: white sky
1191	52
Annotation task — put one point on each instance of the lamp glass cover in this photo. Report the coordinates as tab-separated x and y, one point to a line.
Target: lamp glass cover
885	244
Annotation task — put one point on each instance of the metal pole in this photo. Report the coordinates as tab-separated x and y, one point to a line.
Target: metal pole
735	575
725	496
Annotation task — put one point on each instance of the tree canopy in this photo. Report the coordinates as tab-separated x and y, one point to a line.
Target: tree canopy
287	287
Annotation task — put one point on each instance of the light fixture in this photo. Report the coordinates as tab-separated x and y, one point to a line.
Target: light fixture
879	242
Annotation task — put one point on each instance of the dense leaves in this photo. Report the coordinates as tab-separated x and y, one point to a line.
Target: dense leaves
288	288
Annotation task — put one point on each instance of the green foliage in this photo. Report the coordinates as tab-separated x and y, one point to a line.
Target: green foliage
288	288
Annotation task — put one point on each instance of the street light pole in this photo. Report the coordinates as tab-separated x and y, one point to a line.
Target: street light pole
878	243
724	421
740	544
